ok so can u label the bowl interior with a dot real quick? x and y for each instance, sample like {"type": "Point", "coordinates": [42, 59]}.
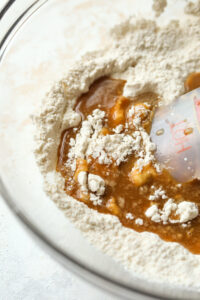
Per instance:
{"type": "Point", "coordinates": [40, 52]}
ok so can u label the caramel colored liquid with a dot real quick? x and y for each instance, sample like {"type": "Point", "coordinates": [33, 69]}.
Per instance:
{"type": "Point", "coordinates": [129, 198]}
{"type": "Point", "coordinates": [192, 82]}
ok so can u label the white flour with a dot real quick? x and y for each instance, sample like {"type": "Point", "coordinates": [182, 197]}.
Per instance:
{"type": "Point", "coordinates": [159, 7]}
{"type": "Point", "coordinates": [151, 59]}
{"type": "Point", "coordinates": [193, 8]}
{"type": "Point", "coordinates": [89, 142]}
{"type": "Point", "coordinates": [185, 210]}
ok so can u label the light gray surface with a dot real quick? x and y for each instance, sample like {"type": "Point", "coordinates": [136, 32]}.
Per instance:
{"type": "Point", "coordinates": [27, 272]}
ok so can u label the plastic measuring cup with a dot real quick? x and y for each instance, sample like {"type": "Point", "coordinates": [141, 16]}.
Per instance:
{"type": "Point", "coordinates": [176, 133]}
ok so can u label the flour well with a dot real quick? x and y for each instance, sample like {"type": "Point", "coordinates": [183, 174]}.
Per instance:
{"type": "Point", "coordinates": [151, 59]}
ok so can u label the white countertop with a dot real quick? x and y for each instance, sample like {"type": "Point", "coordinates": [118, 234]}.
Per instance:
{"type": "Point", "coordinates": [27, 272]}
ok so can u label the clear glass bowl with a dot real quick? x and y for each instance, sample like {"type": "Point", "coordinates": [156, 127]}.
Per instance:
{"type": "Point", "coordinates": [38, 40]}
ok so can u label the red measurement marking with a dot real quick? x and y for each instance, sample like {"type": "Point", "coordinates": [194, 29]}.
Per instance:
{"type": "Point", "coordinates": [197, 107]}
{"type": "Point", "coordinates": [179, 137]}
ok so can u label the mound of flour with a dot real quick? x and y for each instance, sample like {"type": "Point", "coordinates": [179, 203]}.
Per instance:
{"type": "Point", "coordinates": [151, 59]}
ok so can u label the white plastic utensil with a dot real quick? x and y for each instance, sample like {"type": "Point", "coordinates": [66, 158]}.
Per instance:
{"type": "Point", "coordinates": [176, 132]}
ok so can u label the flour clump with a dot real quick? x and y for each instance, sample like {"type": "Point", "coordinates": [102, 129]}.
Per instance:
{"type": "Point", "coordinates": [159, 6]}
{"type": "Point", "coordinates": [193, 8]}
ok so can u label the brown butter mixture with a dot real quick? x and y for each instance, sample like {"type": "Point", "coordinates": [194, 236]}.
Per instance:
{"type": "Point", "coordinates": [127, 192]}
